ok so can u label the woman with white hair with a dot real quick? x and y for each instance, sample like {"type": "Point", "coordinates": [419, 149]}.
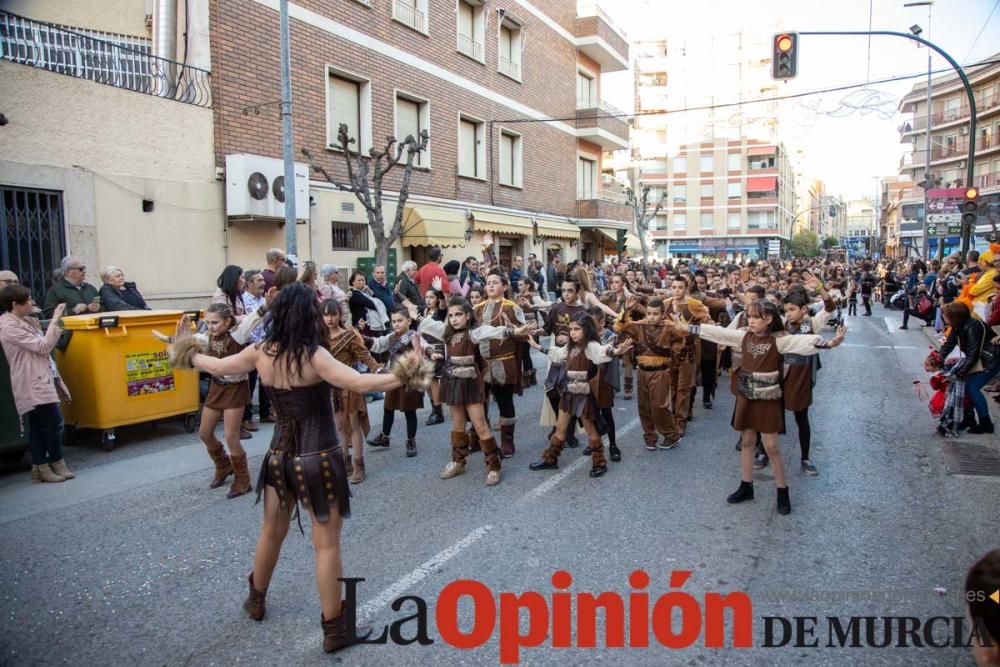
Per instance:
{"type": "Point", "coordinates": [406, 291]}
{"type": "Point", "coordinates": [117, 294]}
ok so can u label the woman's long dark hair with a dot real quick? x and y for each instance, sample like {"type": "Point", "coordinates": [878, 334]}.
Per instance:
{"type": "Point", "coordinates": [228, 281]}
{"type": "Point", "coordinates": [297, 329]}
{"type": "Point", "coordinates": [763, 308]}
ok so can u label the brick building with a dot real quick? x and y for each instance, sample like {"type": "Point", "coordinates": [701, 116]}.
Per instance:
{"type": "Point", "coordinates": [509, 93]}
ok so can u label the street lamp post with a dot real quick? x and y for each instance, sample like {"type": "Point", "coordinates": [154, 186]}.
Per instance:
{"type": "Point", "coordinates": [927, 154]}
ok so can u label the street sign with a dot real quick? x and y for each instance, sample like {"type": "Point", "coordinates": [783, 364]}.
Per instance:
{"type": "Point", "coordinates": [945, 218]}
{"type": "Point", "coordinates": [944, 213]}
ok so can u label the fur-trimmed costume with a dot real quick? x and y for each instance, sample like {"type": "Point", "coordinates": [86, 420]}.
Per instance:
{"type": "Point", "coordinates": [348, 348]}
{"type": "Point", "coordinates": [653, 353]}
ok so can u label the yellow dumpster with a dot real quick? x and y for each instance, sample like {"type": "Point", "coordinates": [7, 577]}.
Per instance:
{"type": "Point", "coordinates": [118, 374]}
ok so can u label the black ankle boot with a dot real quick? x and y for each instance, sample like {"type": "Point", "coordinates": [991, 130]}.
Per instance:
{"type": "Point", "coordinates": [411, 447]}
{"type": "Point", "coordinates": [985, 425]}
{"type": "Point", "coordinates": [614, 453]}
{"type": "Point", "coordinates": [968, 421]}
{"type": "Point", "coordinates": [784, 503]}
{"type": "Point", "coordinates": [436, 416]}
{"type": "Point", "coordinates": [380, 440]}
{"type": "Point", "coordinates": [745, 492]}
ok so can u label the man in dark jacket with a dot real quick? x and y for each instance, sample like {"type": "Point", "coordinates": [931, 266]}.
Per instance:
{"type": "Point", "coordinates": [78, 295]}
{"type": "Point", "coordinates": [516, 272]}
{"type": "Point", "coordinates": [552, 277]}
{"type": "Point", "coordinates": [381, 289]}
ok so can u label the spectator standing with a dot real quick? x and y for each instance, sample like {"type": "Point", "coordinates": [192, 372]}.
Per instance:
{"type": "Point", "coordinates": [34, 380]}
{"type": "Point", "coordinates": [380, 288]}
{"type": "Point", "coordinates": [275, 259]}
{"type": "Point", "coordinates": [406, 290]}
{"type": "Point", "coordinates": [431, 270]}
{"type": "Point", "coordinates": [73, 290]}
{"type": "Point", "coordinates": [118, 294]}
{"type": "Point", "coordinates": [470, 272]}
{"type": "Point", "coordinates": [8, 278]}
{"type": "Point", "coordinates": [330, 289]}
{"type": "Point", "coordinates": [553, 277]}
{"type": "Point", "coordinates": [517, 271]}
{"type": "Point", "coordinates": [229, 290]}
{"type": "Point", "coordinates": [253, 299]}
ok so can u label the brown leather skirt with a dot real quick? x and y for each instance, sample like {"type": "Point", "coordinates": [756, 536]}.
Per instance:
{"type": "Point", "coordinates": [227, 396]}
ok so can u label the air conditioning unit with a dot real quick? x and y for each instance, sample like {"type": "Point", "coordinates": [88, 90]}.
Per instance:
{"type": "Point", "coordinates": [255, 188]}
{"type": "Point", "coordinates": [963, 130]}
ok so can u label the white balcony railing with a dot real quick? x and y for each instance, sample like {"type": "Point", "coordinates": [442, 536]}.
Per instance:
{"type": "Point", "coordinates": [470, 47]}
{"type": "Point", "coordinates": [409, 15]}
{"type": "Point", "coordinates": [510, 68]}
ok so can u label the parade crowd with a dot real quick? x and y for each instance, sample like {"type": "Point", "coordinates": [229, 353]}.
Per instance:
{"type": "Point", "coordinates": [459, 338]}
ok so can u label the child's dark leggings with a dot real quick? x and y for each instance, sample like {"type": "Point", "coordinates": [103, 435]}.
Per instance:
{"type": "Point", "coordinates": [805, 431]}
{"type": "Point", "coordinates": [389, 416]}
{"type": "Point", "coordinates": [608, 416]}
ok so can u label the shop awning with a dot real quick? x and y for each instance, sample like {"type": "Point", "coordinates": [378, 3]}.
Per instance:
{"type": "Point", "coordinates": [761, 150]}
{"type": "Point", "coordinates": [433, 226]}
{"type": "Point", "coordinates": [501, 223]}
{"type": "Point", "coordinates": [558, 230]}
{"type": "Point", "coordinates": [608, 236]}
{"type": "Point", "coordinates": [762, 184]}
{"type": "Point", "coordinates": [632, 244]}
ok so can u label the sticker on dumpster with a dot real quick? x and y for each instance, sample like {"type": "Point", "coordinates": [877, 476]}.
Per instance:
{"type": "Point", "coordinates": [148, 373]}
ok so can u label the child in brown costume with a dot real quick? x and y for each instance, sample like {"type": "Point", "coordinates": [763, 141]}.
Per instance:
{"type": "Point", "coordinates": [759, 406]}
{"type": "Point", "coordinates": [578, 377]}
{"type": "Point", "coordinates": [462, 382]}
{"type": "Point", "coordinates": [227, 397]}
{"type": "Point", "coordinates": [654, 339]}
{"type": "Point", "coordinates": [406, 401]}
{"type": "Point", "coordinates": [350, 413]}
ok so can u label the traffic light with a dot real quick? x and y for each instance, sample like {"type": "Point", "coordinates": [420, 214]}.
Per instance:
{"type": "Point", "coordinates": [620, 241]}
{"type": "Point", "coordinates": [970, 209]}
{"type": "Point", "coordinates": [785, 55]}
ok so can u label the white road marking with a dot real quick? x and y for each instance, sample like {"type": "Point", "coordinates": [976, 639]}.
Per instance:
{"type": "Point", "coordinates": [428, 567]}
{"type": "Point", "coordinates": [881, 347]}
{"type": "Point", "coordinates": [425, 569]}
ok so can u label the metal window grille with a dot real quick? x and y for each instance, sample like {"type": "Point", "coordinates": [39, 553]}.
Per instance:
{"type": "Point", "coordinates": [33, 235]}
{"type": "Point", "coordinates": [349, 235]}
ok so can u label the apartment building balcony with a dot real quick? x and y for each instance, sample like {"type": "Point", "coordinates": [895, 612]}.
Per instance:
{"type": "Point", "coordinates": [407, 13]}
{"type": "Point", "coordinates": [122, 61]}
{"type": "Point", "coordinates": [601, 123]}
{"type": "Point", "coordinates": [987, 181]}
{"type": "Point", "coordinates": [603, 204]}
{"type": "Point", "coordinates": [985, 105]}
{"type": "Point", "coordinates": [599, 38]}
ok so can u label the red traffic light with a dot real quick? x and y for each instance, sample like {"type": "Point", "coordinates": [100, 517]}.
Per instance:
{"type": "Point", "coordinates": [784, 43]}
{"type": "Point", "coordinates": [784, 55]}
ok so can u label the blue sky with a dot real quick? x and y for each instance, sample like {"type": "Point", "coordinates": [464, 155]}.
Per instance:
{"type": "Point", "coordinates": [848, 152]}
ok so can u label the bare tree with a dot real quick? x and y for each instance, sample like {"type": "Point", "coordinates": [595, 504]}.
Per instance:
{"type": "Point", "coordinates": [365, 174]}
{"type": "Point", "coordinates": [640, 208]}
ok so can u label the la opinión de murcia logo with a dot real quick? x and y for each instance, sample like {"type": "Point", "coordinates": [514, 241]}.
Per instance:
{"type": "Point", "coordinates": [555, 618]}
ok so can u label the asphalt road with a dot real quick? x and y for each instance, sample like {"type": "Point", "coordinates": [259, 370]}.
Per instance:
{"type": "Point", "coordinates": [137, 562]}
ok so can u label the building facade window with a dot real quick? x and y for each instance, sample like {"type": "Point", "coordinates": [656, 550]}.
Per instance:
{"type": "Point", "coordinates": [680, 165]}
{"type": "Point", "coordinates": [349, 235]}
{"type": "Point", "coordinates": [734, 191]}
{"type": "Point", "coordinates": [733, 161]}
{"type": "Point", "coordinates": [348, 101]}
{"type": "Point", "coordinates": [706, 191]}
{"type": "Point", "coordinates": [761, 162]}
{"type": "Point", "coordinates": [705, 163]}
{"type": "Point", "coordinates": [412, 117]}
{"type": "Point", "coordinates": [680, 193]}
{"type": "Point", "coordinates": [471, 28]}
{"type": "Point", "coordinates": [510, 158]}
{"type": "Point", "coordinates": [707, 220]}
{"type": "Point", "coordinates": [586, 178]}
{"type": "Point", "coordinates": [586, 91]}
{"type": "Point", "coordinates": [471, 153]}
{"type": "Point", "coordinates": [411, 13]}
{"type": "Point", "coordinates": [509, 50]}
{"type": "Point", "coordinates": [733, 220]}
{"type": "Point", "coordinates": [761, 220]}
{"type": "Point", "coordinates": [680, 222]}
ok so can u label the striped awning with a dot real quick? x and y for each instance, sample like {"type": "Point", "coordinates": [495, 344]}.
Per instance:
{"type": "Point", "coordinates": [502, 223]}
{"type": "Point", "coordinates": [558, 230]}
{"type": "Point", "coordinates": [433, 226]}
